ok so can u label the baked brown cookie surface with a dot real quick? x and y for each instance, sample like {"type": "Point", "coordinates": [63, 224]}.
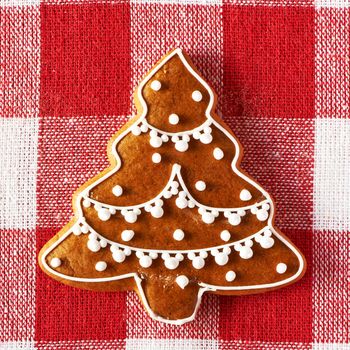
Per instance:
{"type": "Point", "coordinates": [173, 216]}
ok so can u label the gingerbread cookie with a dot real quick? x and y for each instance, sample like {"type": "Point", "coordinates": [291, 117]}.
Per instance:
{"type": "Point", "coordinates": [173, 216]}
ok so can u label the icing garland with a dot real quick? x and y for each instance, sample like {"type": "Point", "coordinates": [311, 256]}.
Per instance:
{"type": "Point", "coordinates": [184, 200]}
{"type": "Point", "coordinates": [172, 258]}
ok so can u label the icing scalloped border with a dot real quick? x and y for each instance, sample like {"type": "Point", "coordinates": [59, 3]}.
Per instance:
{"type": "Point", "coordinates": [204, 287]}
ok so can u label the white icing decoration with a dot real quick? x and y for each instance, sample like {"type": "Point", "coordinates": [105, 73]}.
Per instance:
{"type": "Point", "coordinates": [218, 153]}
{"type": "Point", "coordinates": [118, 256]}
{"type": "Point", "coordinates": [86, 203]}
{"type": "Point", "coordinates": [181, 146]}
{"type": "Point", "coordinates": [198, 262]}
{"type": "Point", "coordinates": [104, 214]}
{"type": "Point", "coordinates": [117, 190]}
{"type": "Point", "coordinates": [101, 266]}
{"type": "Point", "coordinates": [230, 276]}
{"type": "Point", "coordinates": [145, 261]}
{"type": "Point", "coordinates": [246, 252]}
{"type": "Point", "coordinates": [234, 219]}
{"type": "Point", "coordinates": [206, 138]}
{"type": "Point", "coordinates": [157, 212]}
{"type": "Point", "coordinates": [55, 262]}
{"type": "Point", "coordinates": [204, 287]}
{"type": "Point", "coordinates": [197, 96]}
{"type": "Point", "coordinates": [156, 158]}
{"type": "Point", "coordinates": [171, 263]}
{"type": "Point", "coordinates": [281, 268]}
{"type": "Point", "coordinates": [200, 186]}
{"type": "Point", "coordinates": [76, 230]}
{"type": "Point", "coordinates": [93, 245]}
{"type": "Point", "coordinates": [245, 195]}
{"type": "Point", "coordinates": [221, 259]}
{"type": "Point", "coordinates": [156, 85]}
{"type": "Point", "coordinates": [182, 281]}
{"type": "Point", "coordinates": [173, 119]}
{"type": "Point", "coordinates": [225, 235]}
{"type": "Point", "coordinates": [127, 235]}
{"type": "Point", "coordinates": [178, 235]}
{"type": "Point", "coordinates": [262, 214]}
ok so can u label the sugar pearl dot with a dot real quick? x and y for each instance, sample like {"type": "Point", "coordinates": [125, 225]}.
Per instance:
{"type": "Point", "coordinates": [281, 268]}
{"type": "Point", "coordinates": [206, 138]}
{"type": "Point", "coordinates": [127, 235]}
{"type": "Point", "coordinates": [200, 185]}
{"type": "Point", "coordinates": [245, 195]}
{"type": "Point", "coordinates": [173, 119]}
{"type": "Point", "coordinates": [179, 235]}
{"type": "Point", "coordinates": [117, 190]}
{"type": "Point", "coordinates": [181, 203]}
{"type": "Point", "coordinates": [156, 85]}
{"type": "Point", "coordinates": [104, 214]}
{"type": "Point", "coordinates": [198, 262]}
{"type": "Point", "coordinates": [208, 218]}
{"type": "Point", "coordinates": [230, 276]}
{"type": "Point", "coordinates": [101, 266]}
{"type": "Point", "coordinates": [246, 253]}
{"type": "Point", "coordinates": [145, 261]}
{"type": "Point", "coordinates": [197, 96]}
{"type": "Point", "coordinates": [267, 242]}
{"type": "Point", "coordinates": [156, 158]}
{"type": "Point", "coordinates": [76, 230]}
{"type": "Point", "coordinates": [55, 262]}
{"type": "Point", "coordinates": [218, 153]}
{"type": "Point", "coordinates": [225, 235]}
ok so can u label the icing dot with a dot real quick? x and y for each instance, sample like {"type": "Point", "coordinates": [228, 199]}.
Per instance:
{"type": "Point", "coordinates": [245, 252]}
{"type": "Point", "coordinates": [103, 243]}
{"type": "Point", "coordinates": [101, 266]}
{"type": "Point", "coordinates": [225, 235]}
{"type": "Point", "coordinates": [200, 185]}
{"type": "Point", "coordinates": [173, 119]}
{"type": "Point", "coordinates": [245, 195]}
{"type": "Point", "coordinates": [118, 256]}
{"type": "Point", "coordinates": [144, 128]}
{"type": "Point", "coordinates": [153, 255]}
{"type": "Point", "coordinates": [181, 146]}
{"type": "Point", "coordinates": [206, 138]}
{"type": "Point", "coordinates": [198, 262]}
{"type": "Point", "coordinates": [230, 276]}
{"type": "Point", "coordinates": [157, 212]}
{"type": "Point", "coordinates": [86, 203]}
{"type": "Point", "coordinates": [117, 190]}
{"type": "Point", "coordinates": [218, 153]}
{"type": "Point", "coordinates": [130, 217]}
{"type": "Point", "coordinates": [156, 158]}
{"type": "Point", "coordinates": [136, 130]}
{"type": "Point", "coordinates": [104, 214]}
{"type": "Point", "coordinates": [156, 141]}
{"type": "Point", "coordinates": [93, 245]}
{"type": "Point", "coordinates": [266, 242]}
{"type": "Point", "coordinates": [234, 219]}
{"type": "Point", "coordinates": [262, 214]}
{"type": "Point", "coordinates": [221, 259]}
{"type": "Point", "coordinates": [281, 268]}
{"type": "Point", "coordinates": [156, 85]}
{"type": "Point", "coordinates": [197, 96]}
{"type": "Point", "coordinates": [76, 230]}
{"type": "Point", "coordinates": [55, 262]}
{"type": "Point", "coordinates": [85, 229]}
{"type": "Point", "coordinates": [127, 235]}
{"type": "Point", "coordinates": [179, 235]}
{"type": "Point", "coordinates": [208, 218]}
{"type": "Point", "coordinates": [171, 263]}
{"type": "Point", "coordinates": [145, 261]}
{"type": "Point", "coordinates": [182, 281]}
{"type": "Point", "coordinates": [181, 203]}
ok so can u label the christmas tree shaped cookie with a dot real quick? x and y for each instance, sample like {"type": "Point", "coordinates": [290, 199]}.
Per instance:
{"type": "Point", "coordinates": [173, 216]}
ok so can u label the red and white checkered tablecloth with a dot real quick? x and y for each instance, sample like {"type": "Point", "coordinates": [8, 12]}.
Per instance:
{"type": "Point", "coordinates": [281, 69]}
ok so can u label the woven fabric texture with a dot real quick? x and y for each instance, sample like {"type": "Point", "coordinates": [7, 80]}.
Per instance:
{"type": "Point", "coordinates": [281, 69]}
